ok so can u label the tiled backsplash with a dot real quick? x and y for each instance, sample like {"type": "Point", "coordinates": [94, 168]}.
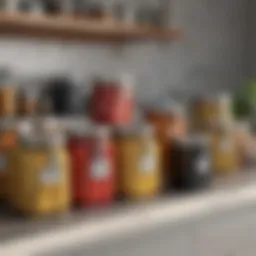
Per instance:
{"type": "Point", "coordinates": [211, 55]}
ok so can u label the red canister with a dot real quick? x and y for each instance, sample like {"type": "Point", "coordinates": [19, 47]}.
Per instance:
{"type": "Point", "coordinates": [93, 168]}
{"type": "Point", "coordinates": [113, 102]}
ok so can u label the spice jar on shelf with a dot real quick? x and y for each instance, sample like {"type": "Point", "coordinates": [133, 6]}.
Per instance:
{"type": "Point", "coordinates": [30, 6]}
{"type": "Point", "coordinates": [79, 8]}
{"type": "Point", "coordinates": [113, 101]}
{"type": "Point", "coordinates": [52, 7]}
{"type": "Point", "coordinates": [59, 96]}
{"type": "Point", "coordinates": [124, 13]}
{"type": "Point", "coordinates": [3, 5]}
{"type": "Point", "coordinates": [8, 6]}
{"type": "Point", "coordinates": [28, 99]}
{"type": "Point", "coordinates": [7, 94]}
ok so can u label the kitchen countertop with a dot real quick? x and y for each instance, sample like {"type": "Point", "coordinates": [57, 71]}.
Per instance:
{"type": "Point", "coordinates": [31, 236]}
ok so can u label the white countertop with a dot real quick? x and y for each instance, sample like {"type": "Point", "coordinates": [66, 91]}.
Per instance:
{"type": "Point", "coordinates": [19, 236]}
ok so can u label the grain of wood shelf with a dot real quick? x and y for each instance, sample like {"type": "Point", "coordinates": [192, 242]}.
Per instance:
{"type": "Point", "coordinates": [66, 28]}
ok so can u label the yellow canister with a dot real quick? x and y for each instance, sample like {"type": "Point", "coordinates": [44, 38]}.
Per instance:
{"type": "Point", "coordinates": [207, 111]}
{"type": "Point", "coordinates": [225, 152]}
{"type": "Point", "coordinates": [139, 171]}
{"type": "Point", "coordinates": [39, 176]}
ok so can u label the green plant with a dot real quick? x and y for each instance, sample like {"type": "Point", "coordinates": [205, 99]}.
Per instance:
{"type": "Point", "coordinates": [244, 101]}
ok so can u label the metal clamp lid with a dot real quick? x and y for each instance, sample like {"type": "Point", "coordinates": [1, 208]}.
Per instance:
{"type": "Point", "coordinates": [194, 139]}
{"type": "Point", "coordinates": [139, 130]}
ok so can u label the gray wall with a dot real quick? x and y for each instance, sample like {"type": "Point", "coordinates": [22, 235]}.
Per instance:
{"type": "Point", "coordinates": [211, 55]}
{"type": "Point", "coordinates": [251, 38]}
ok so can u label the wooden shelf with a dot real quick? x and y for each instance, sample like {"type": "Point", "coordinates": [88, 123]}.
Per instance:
{"type": "Point", "coordinates": [67, 28]}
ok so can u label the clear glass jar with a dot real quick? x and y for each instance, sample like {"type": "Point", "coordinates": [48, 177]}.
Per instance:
{"type": "Point", "coordinates": [7, 94]}
{"type": "Point", "coordinates": [28, 99]}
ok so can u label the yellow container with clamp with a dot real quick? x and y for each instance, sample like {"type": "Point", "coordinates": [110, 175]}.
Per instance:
{"type": "Point", "coordinates": [208, 112]}
{"type": "Point", "coordinates": [39, 178]}
{"type": "Point", "coordinates": [138, 164]}
{"type": "Point", "coordinates": [225, 151]}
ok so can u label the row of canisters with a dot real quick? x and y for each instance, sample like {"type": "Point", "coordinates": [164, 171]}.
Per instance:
{"type": "Point", "coordinates": [46, 170]}
{"type": "Point", "coordinates": [105, 100]}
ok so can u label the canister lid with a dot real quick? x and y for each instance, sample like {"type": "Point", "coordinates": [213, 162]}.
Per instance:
{"type": "Point", "coordinates": [221, 97]}
{"type": "Point", "coordinates": [138, 130]}
{"type": "Point", "coordinates": [101, 131]}
{"type": "Point", "coordinates": [123, 81]}
{"type": "Point", "coordinates": [41, 131]}
{"type": "Point", "coordinates": [223, 126]}
{"type": "Point", "coordinates": [166, 106]}
{"type": "Point", "coordinates": [87, 129]}
{"type": "Point", "coordinates": [25, 128]}
{"type": "Point", "coordinates": [195, 139]}
{"type": "Point", "coordinates": [78, 130]}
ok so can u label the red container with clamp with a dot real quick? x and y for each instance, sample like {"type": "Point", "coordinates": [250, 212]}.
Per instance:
{"type": "Point", "coordinates": [93, 168]}
{"type": "Point", "coordinates": [113, 102]}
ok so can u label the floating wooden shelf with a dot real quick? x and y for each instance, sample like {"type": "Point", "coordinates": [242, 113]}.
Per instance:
{"type": "Point", "coordinates": [79, 29]}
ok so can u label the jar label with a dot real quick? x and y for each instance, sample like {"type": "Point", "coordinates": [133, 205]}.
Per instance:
{"type": "Point", "coordinates": [100, 168]}
{"type": "Point", "coordinates": [203, 165]}
{"type": "Point", "coordinates": [226, 145]}
{"type": "Point", "coordinates": [147, 163]}
{"type": "Point", "coordinates": [50, 176]}
{"type": "Point", "coordinates": [3, 164]}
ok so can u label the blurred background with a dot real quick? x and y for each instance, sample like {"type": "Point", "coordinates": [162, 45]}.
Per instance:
{"type": "Point", "coordinates": [111, 102]}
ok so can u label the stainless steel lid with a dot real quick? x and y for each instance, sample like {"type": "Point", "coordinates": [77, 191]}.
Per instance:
{"type": "Point", "coordinates": [88, 129]}
{"type": "Point", "coordinates": [123, 81]}
{"type": "Point", "coordinates": [221, 98]}
{"type": "Point", "coordinates": [41, 131]}
{"type": "Point", "coordinates": [196, 139]}
{"type": "Point", "coordinates": [139, 130]}
{"type": "Point", "coordinates": [166, 105]}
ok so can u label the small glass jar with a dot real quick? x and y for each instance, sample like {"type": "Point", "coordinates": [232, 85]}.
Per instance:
{"type": "Point", "coordinates": [113, 101]}
{"type": "Point", "coordinates": [52, 7]}
{"type": "Point", "coordinates": [27, 102]}
{"type": "Point", "coordinates": [7, 94]}
{"type": "Point", "coordinates": [8, 6]}
{"type": "Point", "coordinates": [30, 6]}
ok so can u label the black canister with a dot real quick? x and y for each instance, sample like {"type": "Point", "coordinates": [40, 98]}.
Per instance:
{"type": "Point", "coordinates": [191, 164]}
{"type": "Point", "coordinates": [61, 94]}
